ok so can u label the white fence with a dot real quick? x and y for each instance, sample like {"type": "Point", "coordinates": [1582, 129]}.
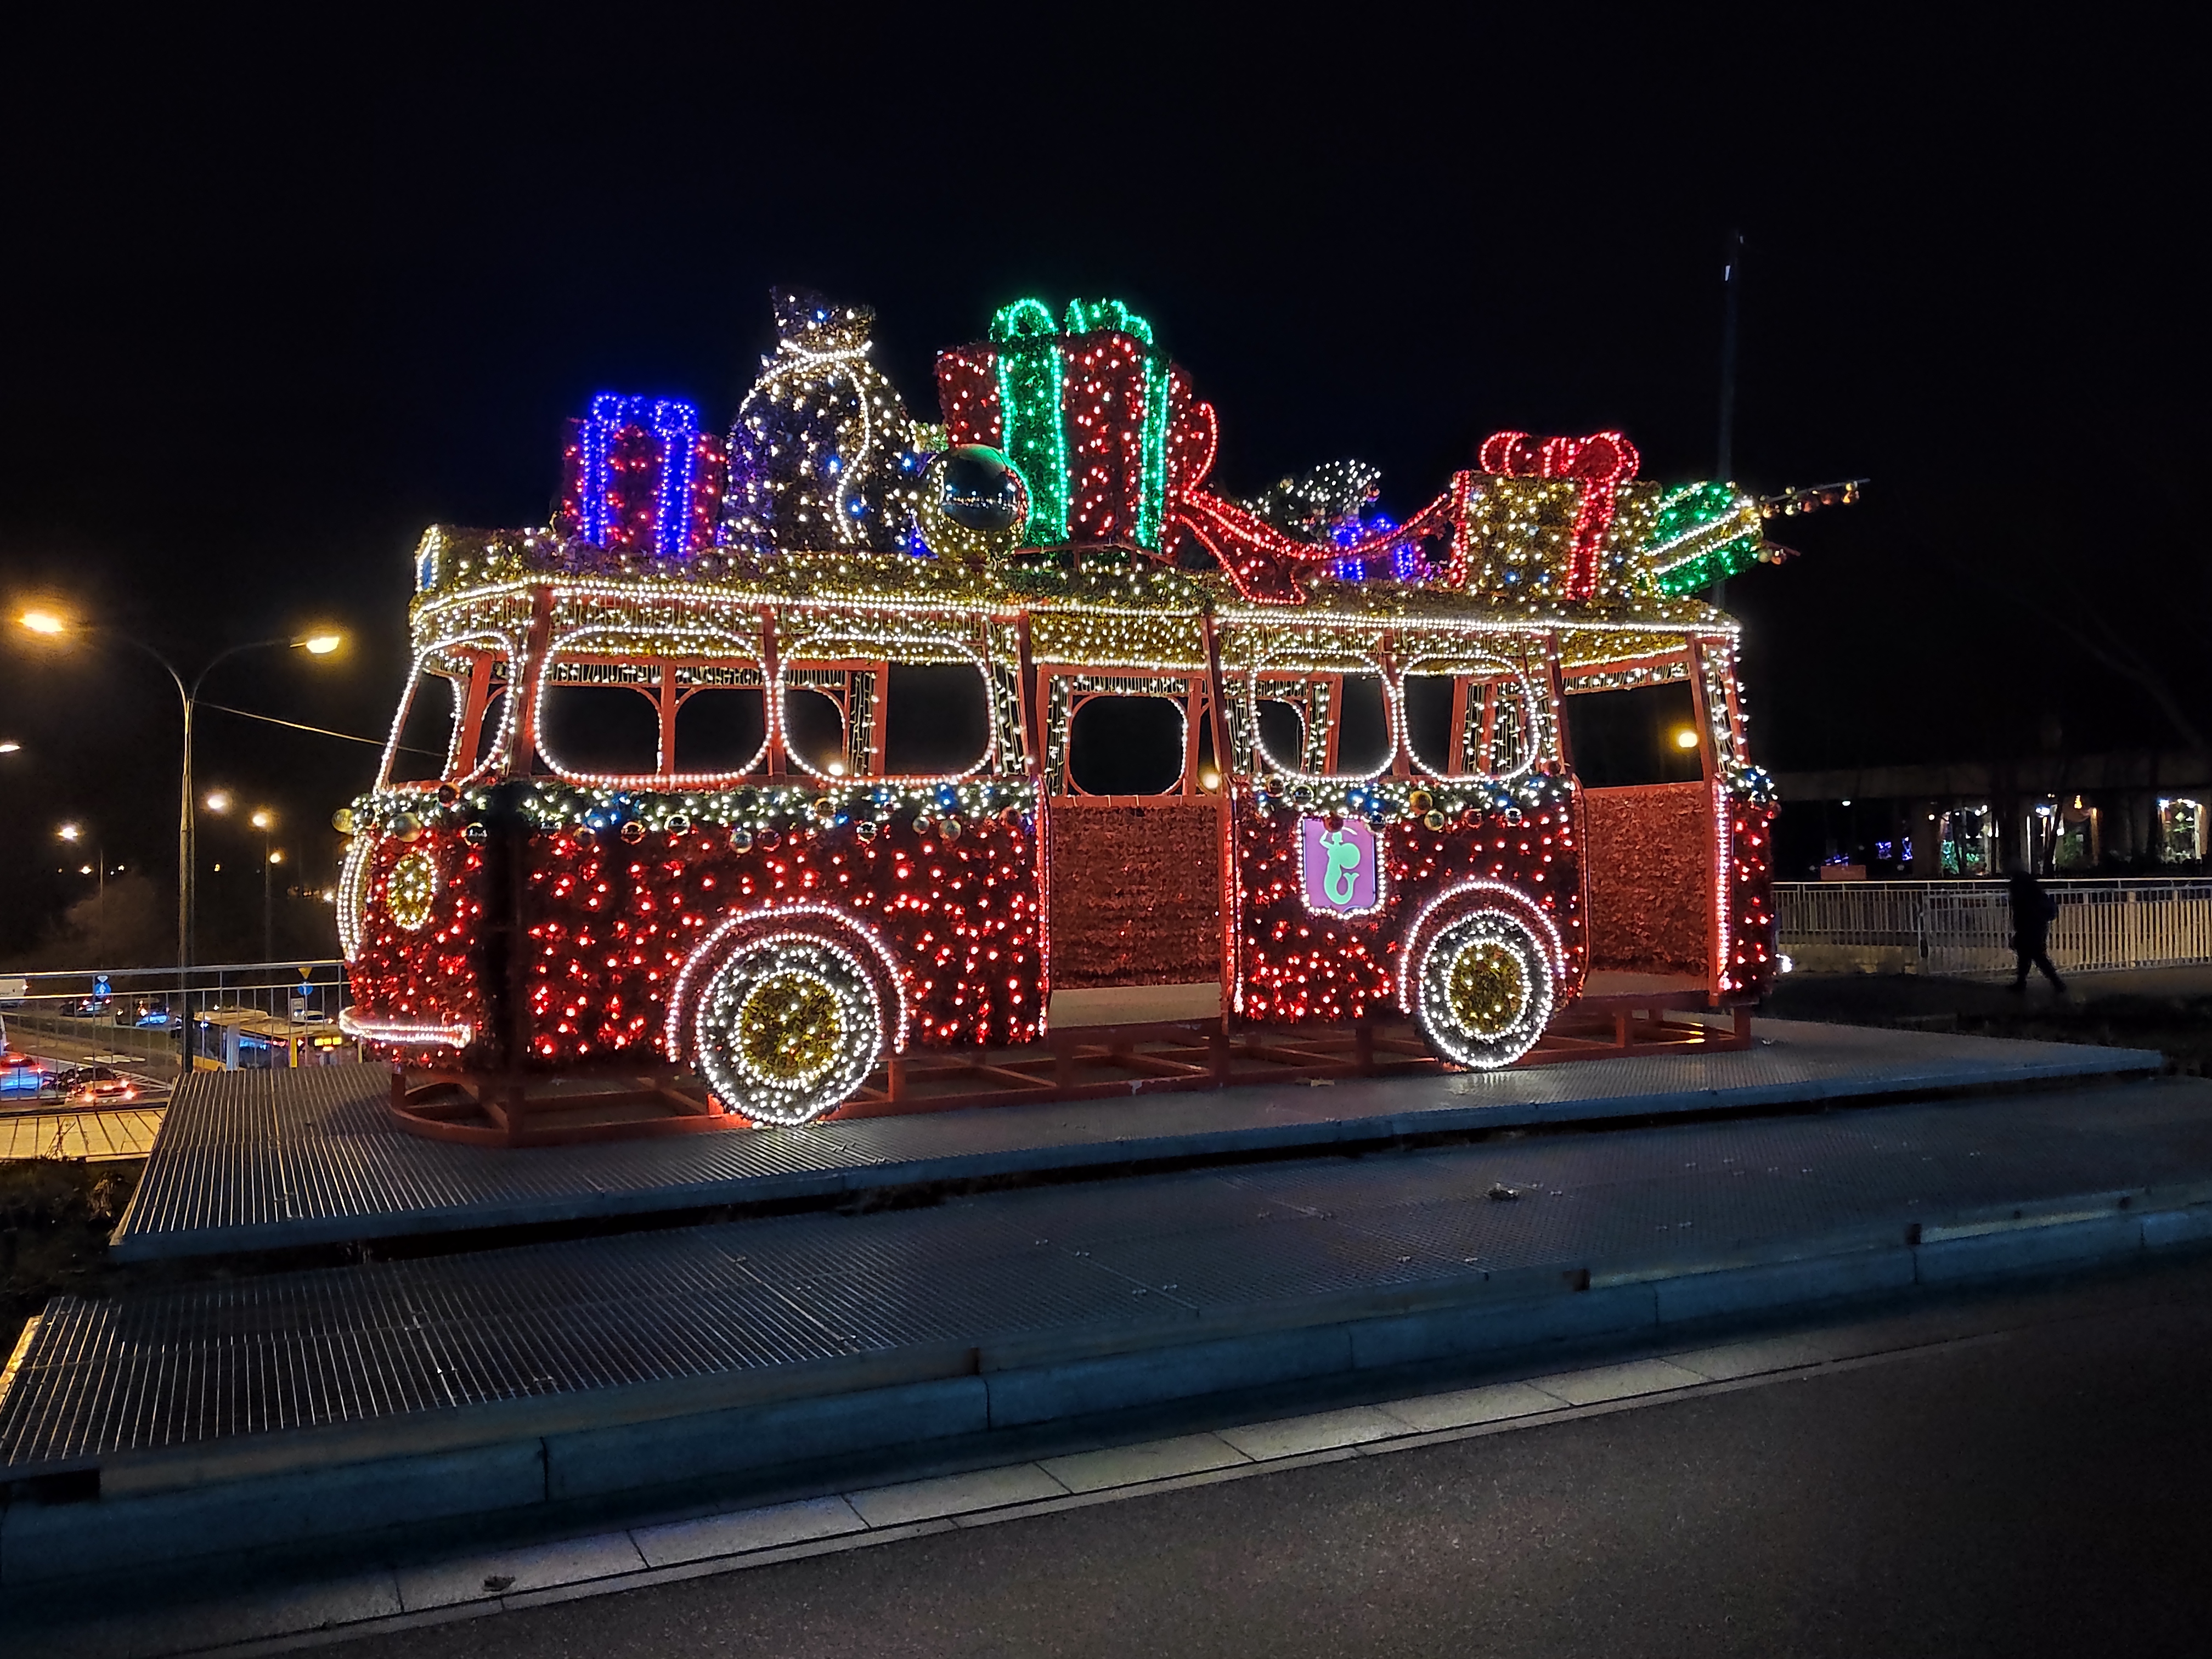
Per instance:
{"type": "Point", "coordinates": [1966, 926]}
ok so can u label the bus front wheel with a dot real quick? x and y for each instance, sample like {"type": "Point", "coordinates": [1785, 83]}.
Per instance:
{"type": "Point", "coordinates": [787, 1028]}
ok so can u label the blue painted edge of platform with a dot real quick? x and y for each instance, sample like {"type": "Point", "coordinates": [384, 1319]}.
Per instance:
{"type": "Point", "coordinates": [2005, 1063]}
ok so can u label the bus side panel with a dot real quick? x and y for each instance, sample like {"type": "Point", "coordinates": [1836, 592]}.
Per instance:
{"type": "Point", "coordinates": [610, 925]}
{"type": "Point", "coordinates": [1299, 967]}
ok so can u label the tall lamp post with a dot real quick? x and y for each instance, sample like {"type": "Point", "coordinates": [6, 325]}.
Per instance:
{"type": "Point", "coordinates": [48, 625]}
{"type": "Point", "coordinates": [265, 821]}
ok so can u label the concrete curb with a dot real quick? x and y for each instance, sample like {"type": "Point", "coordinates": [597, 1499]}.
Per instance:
{"type": "Point", "coordinates": [41, 1542]}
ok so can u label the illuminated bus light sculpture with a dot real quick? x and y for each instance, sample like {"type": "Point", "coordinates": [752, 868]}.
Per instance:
{"type": "Point", "coordinates": [784, 913]}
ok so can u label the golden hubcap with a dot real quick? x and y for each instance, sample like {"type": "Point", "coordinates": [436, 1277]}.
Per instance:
{"type": "Point", "coordinates": [790, 1028]}
{"type": "Point", "coordinates": [411, 893]}
{"type": "Point", "coordinates": [1488, 989]}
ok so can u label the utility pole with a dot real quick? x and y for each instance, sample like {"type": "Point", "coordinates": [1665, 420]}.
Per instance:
{"type": "Point", "coordinates": [1731, 286]}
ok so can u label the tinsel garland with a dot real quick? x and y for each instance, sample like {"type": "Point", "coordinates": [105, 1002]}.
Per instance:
{"type": "Point", "coordinates": [1136, 895]}
{"type": "Point", "coordinates": [1650, 858]}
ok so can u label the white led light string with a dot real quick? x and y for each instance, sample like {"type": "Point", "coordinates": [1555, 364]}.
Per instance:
{"type": "Point", "coordinates": [819, 647]}
{"type": "Point", "coordinates": [719, 645]}
{"type": "Point", "coordinates": [487, 754]}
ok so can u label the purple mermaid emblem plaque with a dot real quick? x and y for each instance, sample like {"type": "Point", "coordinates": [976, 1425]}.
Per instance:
{"type": "Point", "coordinates": [1338, 872]}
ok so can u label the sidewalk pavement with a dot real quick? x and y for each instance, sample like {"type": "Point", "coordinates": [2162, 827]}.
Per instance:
{"type": "Point", "coordinates": [102, 1136]}
{"type": "Point", "coordinates": [1826, 996]}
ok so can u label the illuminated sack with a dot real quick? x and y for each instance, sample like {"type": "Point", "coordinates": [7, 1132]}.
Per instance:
{"type": "Point", "coordinates": [639, 474]}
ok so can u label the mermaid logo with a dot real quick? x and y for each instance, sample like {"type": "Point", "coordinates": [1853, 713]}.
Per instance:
{"type": "Point", "coordinates": [1338, 869]}
{"type": "Point", "coordinates": [1344, 859]}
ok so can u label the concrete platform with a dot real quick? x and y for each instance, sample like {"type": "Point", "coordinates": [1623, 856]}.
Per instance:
{"type": "Point", "coordinates": [259, 1161]}
{"type": "Point", "coordinates": [253, 1413]}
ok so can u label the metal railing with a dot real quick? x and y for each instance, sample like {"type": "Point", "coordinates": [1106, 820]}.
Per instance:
{"type": "Point", "coordinates": [1966, 926]}
{"type": "Point", "coordinates": [146, 1012]}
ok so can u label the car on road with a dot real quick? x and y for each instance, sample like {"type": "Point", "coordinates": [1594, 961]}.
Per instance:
{"type": "Point", "coordinates": [20, 1074]}
{"type": "Point", "coordinates": [104, 1088]}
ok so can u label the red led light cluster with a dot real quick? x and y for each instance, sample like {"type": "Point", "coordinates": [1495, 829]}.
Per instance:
{"type": "Point", "coordinates": [1752, 962]}
{"type": "Point", "coordinates": [610, 924]}
{"type": "Point", "coordinates": [432, 973]}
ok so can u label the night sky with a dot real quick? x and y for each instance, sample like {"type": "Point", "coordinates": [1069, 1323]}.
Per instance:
{"type": "Point", "coordinates": [274, 302]}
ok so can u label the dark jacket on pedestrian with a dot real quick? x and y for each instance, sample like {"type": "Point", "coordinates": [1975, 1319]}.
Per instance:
{"type": "Point", "coordinates": [2032, 912]}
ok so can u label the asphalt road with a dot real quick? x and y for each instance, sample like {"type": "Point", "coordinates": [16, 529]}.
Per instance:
{"type": "Point", "coordinates": [2046, 1490]}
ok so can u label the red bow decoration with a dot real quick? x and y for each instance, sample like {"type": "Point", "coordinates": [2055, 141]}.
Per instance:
{"type": "Point", "coordinates": [1598, 463]}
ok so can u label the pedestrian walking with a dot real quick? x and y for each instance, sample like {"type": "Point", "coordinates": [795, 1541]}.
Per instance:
{"type": "Point", "coordinates": [2033, 910]}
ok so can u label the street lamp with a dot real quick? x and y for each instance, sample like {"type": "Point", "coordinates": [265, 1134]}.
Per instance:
{"type": "Point", "coordinates": [10, 748]}
{"type": "Point", "coordinates": [73, 834]}
{"type": "Point", "coordinates": [323, 644]}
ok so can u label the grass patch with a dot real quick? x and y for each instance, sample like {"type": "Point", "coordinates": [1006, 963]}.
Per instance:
{"type": "Point", "coordinates": [55, 1217]}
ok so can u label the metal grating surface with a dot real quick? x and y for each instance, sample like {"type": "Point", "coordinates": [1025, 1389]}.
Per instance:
{"type": "Point", "coordinates": [257, 1160]}
{"type": "Point", "coordinates": [175, 1367]}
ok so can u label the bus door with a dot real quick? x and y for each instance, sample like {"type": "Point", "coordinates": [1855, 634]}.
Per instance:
{"type": "Point", "coordinates": [1136, 812]}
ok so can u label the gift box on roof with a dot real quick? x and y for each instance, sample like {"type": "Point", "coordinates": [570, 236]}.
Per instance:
{"type": "Point", "coordinates": [639, 474]}
{"type": "Point", "coordinates": [1082, 405]}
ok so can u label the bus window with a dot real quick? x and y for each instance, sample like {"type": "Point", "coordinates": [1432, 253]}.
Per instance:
{"type": "Point", "coordinates": [1429, 721]}
{"type": "Point", "coordinates": [1282, 735]}
{"type": "Point", "coordinates": [720, 730]}
{"type": "Point", "coordinates": [814, 730]}
{"type": "Point", "coordinates": [1494, 734]}
{"type": "Point", "coordinates": [599, 719]}
{"type": "Point", "coordinates": [425, 737]}
{"type": "Point", "coordinates": [477, 746]}
{"type": "Point", "coordinates": [1507, 745]}
{"type": "Point", "coordinates": [1623, 737]}
{"type": "Point", "coordinates": [936, 720]}
{"type": "Point", "coordinates": [451, 725]}
{"type": "Point", "coordinates": [1125, 746]}
{"type": "Point", "coordinates": [1362, 734]}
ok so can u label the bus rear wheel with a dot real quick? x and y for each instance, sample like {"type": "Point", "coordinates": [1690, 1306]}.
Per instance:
{"type": "Point", "coordinates": [1485, 991]}
{"type": "Point", "coordinates": [788, 1029]}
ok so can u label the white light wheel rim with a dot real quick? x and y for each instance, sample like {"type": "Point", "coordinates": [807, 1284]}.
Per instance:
{"type": "Point", "coordinates": [1486, 990]}
{"type": "Point", "coordinates": [788, 1028]}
